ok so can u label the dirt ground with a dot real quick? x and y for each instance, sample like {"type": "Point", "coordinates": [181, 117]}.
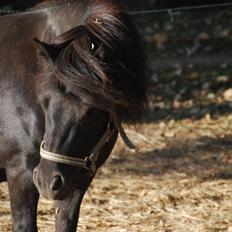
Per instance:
{"type": "Point", "coordinates": [180, 180]}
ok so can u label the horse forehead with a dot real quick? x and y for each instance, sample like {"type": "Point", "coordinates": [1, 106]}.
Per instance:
{"type": "Point", "coordinates": [67, 108]}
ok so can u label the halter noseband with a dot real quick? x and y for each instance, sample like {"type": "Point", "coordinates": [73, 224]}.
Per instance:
{"type": "Point", "coordinates": [89, 162]}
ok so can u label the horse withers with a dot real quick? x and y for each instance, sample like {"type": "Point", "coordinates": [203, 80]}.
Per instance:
{"type": "Point", "coordinates": [70, 71]}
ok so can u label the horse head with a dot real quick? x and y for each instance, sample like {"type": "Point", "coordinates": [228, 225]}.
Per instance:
{"type": "Point", "coordinates": [93, 75]}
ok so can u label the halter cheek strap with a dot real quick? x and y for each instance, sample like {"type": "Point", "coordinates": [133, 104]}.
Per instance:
{"type": "Point", "coordinates": [89, 163]}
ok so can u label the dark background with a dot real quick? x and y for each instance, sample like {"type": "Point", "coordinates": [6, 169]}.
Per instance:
{"type": "Point", "coordinates": [133, 4]}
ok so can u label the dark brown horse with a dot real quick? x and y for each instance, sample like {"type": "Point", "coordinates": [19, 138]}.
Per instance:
{"type": "Point", "coordinates": [70, 71]}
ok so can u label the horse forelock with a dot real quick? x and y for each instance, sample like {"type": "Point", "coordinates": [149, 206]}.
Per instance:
{"type": "Point", "coordinates": [116, 83]}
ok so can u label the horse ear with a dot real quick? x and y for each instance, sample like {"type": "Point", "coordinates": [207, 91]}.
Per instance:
{"type": "Point", "coordinates": [50, 51]}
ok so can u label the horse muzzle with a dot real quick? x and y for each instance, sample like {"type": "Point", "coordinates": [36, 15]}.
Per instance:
{"type": "Point", "coordinates": [51, 186]}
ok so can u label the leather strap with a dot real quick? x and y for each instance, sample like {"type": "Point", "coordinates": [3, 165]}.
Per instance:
{"type": "Point", "coordinates": [89, 163]}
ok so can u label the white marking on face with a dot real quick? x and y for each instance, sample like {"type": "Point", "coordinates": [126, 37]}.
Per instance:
{"type": "Point", "coordinates": [52, 23]}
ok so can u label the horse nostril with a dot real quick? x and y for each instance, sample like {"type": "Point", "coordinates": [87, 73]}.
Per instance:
{"type": "Point", "coordinates": [57, 183]}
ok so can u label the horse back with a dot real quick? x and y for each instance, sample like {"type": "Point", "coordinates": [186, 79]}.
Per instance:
{"type": "Point", "coordinates": [17, 49]}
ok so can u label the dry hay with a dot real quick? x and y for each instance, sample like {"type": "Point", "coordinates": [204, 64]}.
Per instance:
{"type": "Point", "coordinates": [180, 181]}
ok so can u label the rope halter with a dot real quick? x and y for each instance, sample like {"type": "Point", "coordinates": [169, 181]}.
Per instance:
{"type": "Point", "coordinates": [89, 162]}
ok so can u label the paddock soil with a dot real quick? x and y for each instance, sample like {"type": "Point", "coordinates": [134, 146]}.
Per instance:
{"type": "Point", "coordinates": [179, 181]}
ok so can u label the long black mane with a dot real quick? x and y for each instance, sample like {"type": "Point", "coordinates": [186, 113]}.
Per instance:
{"type": "Point", "coordinates": [101, 61]}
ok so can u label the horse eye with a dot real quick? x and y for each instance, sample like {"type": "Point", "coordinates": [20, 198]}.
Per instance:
{"type": "Point", "coordinates": [61, 87]}
{"type": "Point", "coordinates": [92, 46]}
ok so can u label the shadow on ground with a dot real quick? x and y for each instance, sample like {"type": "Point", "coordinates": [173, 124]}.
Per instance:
{"type": "Point", "coordinates": [206, 159]}
{"type": "Point", "coordinates": [196, 112]}
{"type": "Point", "coordinates": [180, 97]}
